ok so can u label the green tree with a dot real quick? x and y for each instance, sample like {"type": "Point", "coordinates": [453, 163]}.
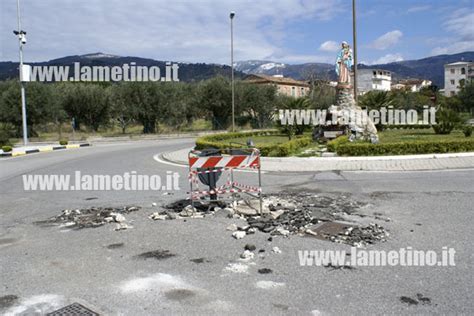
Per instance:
{"type": "Point", "coordinates": [466, 97]}
{"type": "Point", "coordinates": [38, 102]}
{"type": "Point", "coordinates": [215, 97]}
{"type": "Point", "coordinates": [88, 104]}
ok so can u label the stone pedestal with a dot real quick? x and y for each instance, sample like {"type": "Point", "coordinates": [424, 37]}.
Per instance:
{"type": "Point", "coordinates": [359, 123]}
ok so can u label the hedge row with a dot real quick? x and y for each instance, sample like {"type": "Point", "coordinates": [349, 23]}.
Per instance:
{"type": "Point", "coordinates": [345, 148]}
{"type": "Point", "coordinates": [273, 150]}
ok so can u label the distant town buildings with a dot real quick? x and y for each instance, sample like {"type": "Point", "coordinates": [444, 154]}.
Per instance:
{"type": "Point", "coordinates": [455, 76]}
{"type": "Point", "coordinates": [286, 86]}
{"type": "Point", "coordinates": [373, 79]}
{"type": "Point", "coordinates": [412, 85]}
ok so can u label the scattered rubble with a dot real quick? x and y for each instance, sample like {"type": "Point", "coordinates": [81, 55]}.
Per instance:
{"type": "Point", "coordinates": [247, 255]}
{"type": "Point", "coordinates": [276, 250]}
{"type": "Point", "coordinates": [91, 217]}
{"type": "Point", "coordinates": [341, 267]}
{"type": "Point", "coordinates": [285, 214]}
{"type": "Point", "coordinates": [232, 227]}
{"type": "Point", "coordinates": [250, 247]}
{"type": "Point", "coordinates": [239, 234]}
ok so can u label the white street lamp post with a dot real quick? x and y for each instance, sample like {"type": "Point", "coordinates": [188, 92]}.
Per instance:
{"type": "Point", "coordinates": [232, 15]}
{"type": "Point", "coordinates": [22, 40]}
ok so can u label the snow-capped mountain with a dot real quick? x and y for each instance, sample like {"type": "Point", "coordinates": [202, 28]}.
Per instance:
{"type": "Point", "coordinates": [260, 67]}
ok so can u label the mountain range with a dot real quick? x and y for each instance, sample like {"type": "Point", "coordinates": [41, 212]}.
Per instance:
{"type": "Point", "coordinates": [431, 68]}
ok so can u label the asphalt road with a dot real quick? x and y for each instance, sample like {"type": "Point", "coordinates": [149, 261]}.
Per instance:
{"type": "Point", "coordinates": [47, 267]}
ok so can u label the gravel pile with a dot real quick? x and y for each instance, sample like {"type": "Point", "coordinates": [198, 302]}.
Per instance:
{"type": "Point", "coordinates": [92, 217]}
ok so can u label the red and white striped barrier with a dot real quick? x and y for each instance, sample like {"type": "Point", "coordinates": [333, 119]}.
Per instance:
{"type": "Point", "coordinates": [206, 165]}
{"type": "Point", "coordinates": [240, 161]}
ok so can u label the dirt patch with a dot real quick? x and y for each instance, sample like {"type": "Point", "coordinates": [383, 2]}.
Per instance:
{"type": "Point", "coordinates": [115, 246]}
{"type": "Point", "coordinates": [179, 294]}
{"type": "Point", "coordinates": [419, 298]}
{"type": "Point", "coordinates": [199, 260]}
{"type": "Point", "coordinates": [7, 301]}
{"type": "Point", "coordinates": [156, 254]}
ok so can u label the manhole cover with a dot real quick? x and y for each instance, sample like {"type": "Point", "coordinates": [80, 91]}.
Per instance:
{"type": "Point", "coordinates": [73, 309]}
{"type": "Point", "coordinates": [327, 229]}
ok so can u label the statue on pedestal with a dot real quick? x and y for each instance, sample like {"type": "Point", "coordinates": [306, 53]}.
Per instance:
{"type": "Point", "coordinates": [346, 107]}
{"type": "Point", "coordinates": [344, 63]}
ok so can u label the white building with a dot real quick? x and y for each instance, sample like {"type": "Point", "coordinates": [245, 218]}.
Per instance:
{"type": "Point", "coordinates": [455, 76]}
{"type": "Point", "coordinates": [413, 85]}
{"type": "Point", "coordinates": [373, 79]}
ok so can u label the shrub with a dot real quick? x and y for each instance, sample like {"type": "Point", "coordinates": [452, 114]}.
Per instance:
{"type": "Point", "coordinates": [63, 142]}
{"type": "Point", "coordinates": [345, 148]}
{"type": "Point", "coordinates": [446, 121]}
{"type": "Point", "coordinates": [271, 150]}
{"type": "Point", "coordinates": [467, 130]}
{"type": "Point", "coordinates": [7, 149]}
{"type": "Point", "coordinates": [6, 132]}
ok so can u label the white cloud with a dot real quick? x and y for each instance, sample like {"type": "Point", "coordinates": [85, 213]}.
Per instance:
{"type": "Point", "coordinates": [461, 27]}
{"type": "Point", "coordinates": [330, 46]}
{"type": "Point", "coordinates": [389, 58]}
{"type": "Point", "coordinates": [418, 8]}
{"type": "Point", "coordinates": [185, 30]}
{"type": "Point", "coordinates": [387, 40]}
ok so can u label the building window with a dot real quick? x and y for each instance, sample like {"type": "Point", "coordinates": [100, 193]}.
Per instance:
{"type": "Point", "coordinates": [463, 71]}
{"type": "Point", "coordinates": [293, 91]}
{"type": "Point", "coordinates": [452, 82]}
{"type": "Point", "coordinates": [452, 70]}
{"type": "Point", "coordinates": [302, 91]}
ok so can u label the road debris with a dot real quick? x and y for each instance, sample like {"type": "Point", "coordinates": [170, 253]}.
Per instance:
{"type": "Point", "coordinates": [336, 267]}
{"type": "Point", "coordinates": [250, 247]}
{"type": "Point", "coordinates": [288, 213]}
{"type": "Point", "coordinates": [91, 217]}
{"type": "Point", "coordinates": [276, 250]}
{"type": "Point", "coordinates": [239, 234]}
{"type": "Point", "coordinates": [420, 298]}
{"type": "Point", "coordinates": [247, 255]}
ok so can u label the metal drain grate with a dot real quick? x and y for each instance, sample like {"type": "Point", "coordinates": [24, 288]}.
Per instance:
{"type": "Point", "coordinates": [72, 310]}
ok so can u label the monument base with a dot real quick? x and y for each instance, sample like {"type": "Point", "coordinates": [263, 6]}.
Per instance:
{"type": "Point", "coordinates": [360, 125]}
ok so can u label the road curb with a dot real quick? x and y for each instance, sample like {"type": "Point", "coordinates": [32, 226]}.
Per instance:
{"type": "Point", "coordinates": [362, 163]}
{"type": "Point", "coordinates": [43, 149]}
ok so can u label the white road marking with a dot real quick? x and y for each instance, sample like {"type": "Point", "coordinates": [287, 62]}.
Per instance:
{"type": "Point", "coordinates": [268, 285]}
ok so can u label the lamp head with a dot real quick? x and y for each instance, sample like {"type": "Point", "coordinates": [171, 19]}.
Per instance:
{"type": "Point", "coordinates": [232, 14]}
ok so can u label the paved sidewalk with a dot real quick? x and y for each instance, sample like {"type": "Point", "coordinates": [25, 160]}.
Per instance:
{"type": "Point", "coordinates": [36, 148]}
{"type": "Point", "coordinates": [383, 163]}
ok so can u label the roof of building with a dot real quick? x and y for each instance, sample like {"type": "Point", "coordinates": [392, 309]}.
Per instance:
{"type": "Point", "coordinates": [258, 78]}
{"type": "Point", "coordinates": [459, 63]}
{"type": "Point", "coordinates": [413, 81]}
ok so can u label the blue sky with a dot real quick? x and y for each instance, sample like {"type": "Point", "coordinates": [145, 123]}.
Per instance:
{"type": "Point", "coordinates": [292, 31]}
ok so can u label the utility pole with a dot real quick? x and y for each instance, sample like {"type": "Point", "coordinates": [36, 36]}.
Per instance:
{"type": "Point", "coordinates": [232, 15]}
{"type": "Point", "coordinates": [354, 40]}
{"type": "Point", "coordinates": [22, 40]}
